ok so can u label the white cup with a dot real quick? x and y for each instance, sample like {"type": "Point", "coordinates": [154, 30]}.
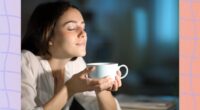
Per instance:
{"type": "Point", "coordinates": [104, 69]}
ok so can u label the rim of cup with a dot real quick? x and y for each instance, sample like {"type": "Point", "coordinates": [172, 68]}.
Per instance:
{"type": "Point", "coordinates": [101, 63]}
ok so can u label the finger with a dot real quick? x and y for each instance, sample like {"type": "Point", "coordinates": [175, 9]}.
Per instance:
{"type": "Point", "coordinates": [87, 70]}
{"type": "Point", "coordinates": [108, 84]}
{"type": "Point", "coordinates": [95, 81]}
{"type": "Point", "coordinates": [118, 80]}
{"type": "Point", "coordinates": [115, 86]}
{"type": "Point", "coordinates": [119, 73]}
{"type": "Point", "coordinates": [110, 88]}
{"type": "Point", "coordinates": [104, 84]}
{"type": "Point", "coordinates": [92, 83]}
{"type": "Point", "coordinates": [90, 69]}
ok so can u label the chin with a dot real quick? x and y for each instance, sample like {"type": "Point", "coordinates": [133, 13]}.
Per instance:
{"type": "Point", "coordinates": [82, 54]}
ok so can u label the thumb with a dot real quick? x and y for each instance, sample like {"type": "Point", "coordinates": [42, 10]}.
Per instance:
{"type": "Point", "coordinates": [88, 70]}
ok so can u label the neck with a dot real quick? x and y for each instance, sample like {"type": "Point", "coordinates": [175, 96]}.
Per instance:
{"type": "Point", "coordinates": [58, 64]}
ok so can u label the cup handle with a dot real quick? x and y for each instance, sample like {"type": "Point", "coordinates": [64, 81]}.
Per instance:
{"type": "Point", "coordinates": [126, 73]}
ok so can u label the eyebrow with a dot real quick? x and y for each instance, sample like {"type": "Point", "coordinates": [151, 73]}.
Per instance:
{"type": "Point", "coordinates": [72, 21]}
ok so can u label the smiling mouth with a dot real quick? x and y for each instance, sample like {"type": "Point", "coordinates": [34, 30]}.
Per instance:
{"type": "Point", "coordinates": [80, 44]}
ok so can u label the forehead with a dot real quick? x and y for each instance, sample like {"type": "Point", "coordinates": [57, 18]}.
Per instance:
{"type": "Point", "coordinates": [71, 14]}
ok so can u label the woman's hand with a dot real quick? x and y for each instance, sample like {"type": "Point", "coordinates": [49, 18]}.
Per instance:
{"type": "Point", "coordinates": [59, 79]}
{"type": "Point", "coordinates": [80, 82]}
{"type": "Point", "coordinates": [105, 99]}
{"type": "Point", "coordinates": [117, 82]}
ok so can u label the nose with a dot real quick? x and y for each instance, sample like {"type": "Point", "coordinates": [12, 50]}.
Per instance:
{"type": "Point", "coordinates": [81, 33]}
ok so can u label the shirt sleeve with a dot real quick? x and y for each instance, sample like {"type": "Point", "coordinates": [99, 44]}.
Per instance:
{"type": "Point", "coordinates": [28, 83]}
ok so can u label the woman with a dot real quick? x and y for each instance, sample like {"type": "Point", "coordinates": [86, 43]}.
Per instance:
{"type": "Point", "coordinates": [53, 70]}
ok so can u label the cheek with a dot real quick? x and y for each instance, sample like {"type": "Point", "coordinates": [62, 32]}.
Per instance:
{"type": "Point", "coordinates": [61, 42]}
{"type": "Point", "coordinates": [66, 38]}
{"type": "Point", "coordinates": [68, 41]}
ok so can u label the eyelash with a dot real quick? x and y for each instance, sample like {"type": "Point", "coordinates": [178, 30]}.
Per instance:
{"type": "Point", "coordinates": [75, 28]}
{"type": "Point", "coordinates": [71, 29]}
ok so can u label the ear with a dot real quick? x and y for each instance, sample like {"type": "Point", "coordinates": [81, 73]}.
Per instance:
{"type": "Point", "coordinates": [50, 43]}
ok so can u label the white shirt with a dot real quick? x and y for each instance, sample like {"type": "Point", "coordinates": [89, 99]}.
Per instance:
{"type": "Point", "coordinates": [37, 84]}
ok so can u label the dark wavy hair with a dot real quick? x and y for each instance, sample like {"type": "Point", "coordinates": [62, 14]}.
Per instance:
{"type": "Point", "coordinates": [41, 26]}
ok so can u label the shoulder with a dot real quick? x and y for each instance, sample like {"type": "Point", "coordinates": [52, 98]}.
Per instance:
{"type": "Point", "coordinates": [27, 54]}
{"type": "Point", "coordinates": [28, 58]}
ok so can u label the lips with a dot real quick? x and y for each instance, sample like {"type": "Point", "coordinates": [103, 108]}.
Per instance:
{"type": "Point", "coordinates": [80, 44]}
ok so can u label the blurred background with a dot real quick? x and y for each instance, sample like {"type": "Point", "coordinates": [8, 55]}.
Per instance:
{"type": "Point", "coordinates": [143, 34]}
